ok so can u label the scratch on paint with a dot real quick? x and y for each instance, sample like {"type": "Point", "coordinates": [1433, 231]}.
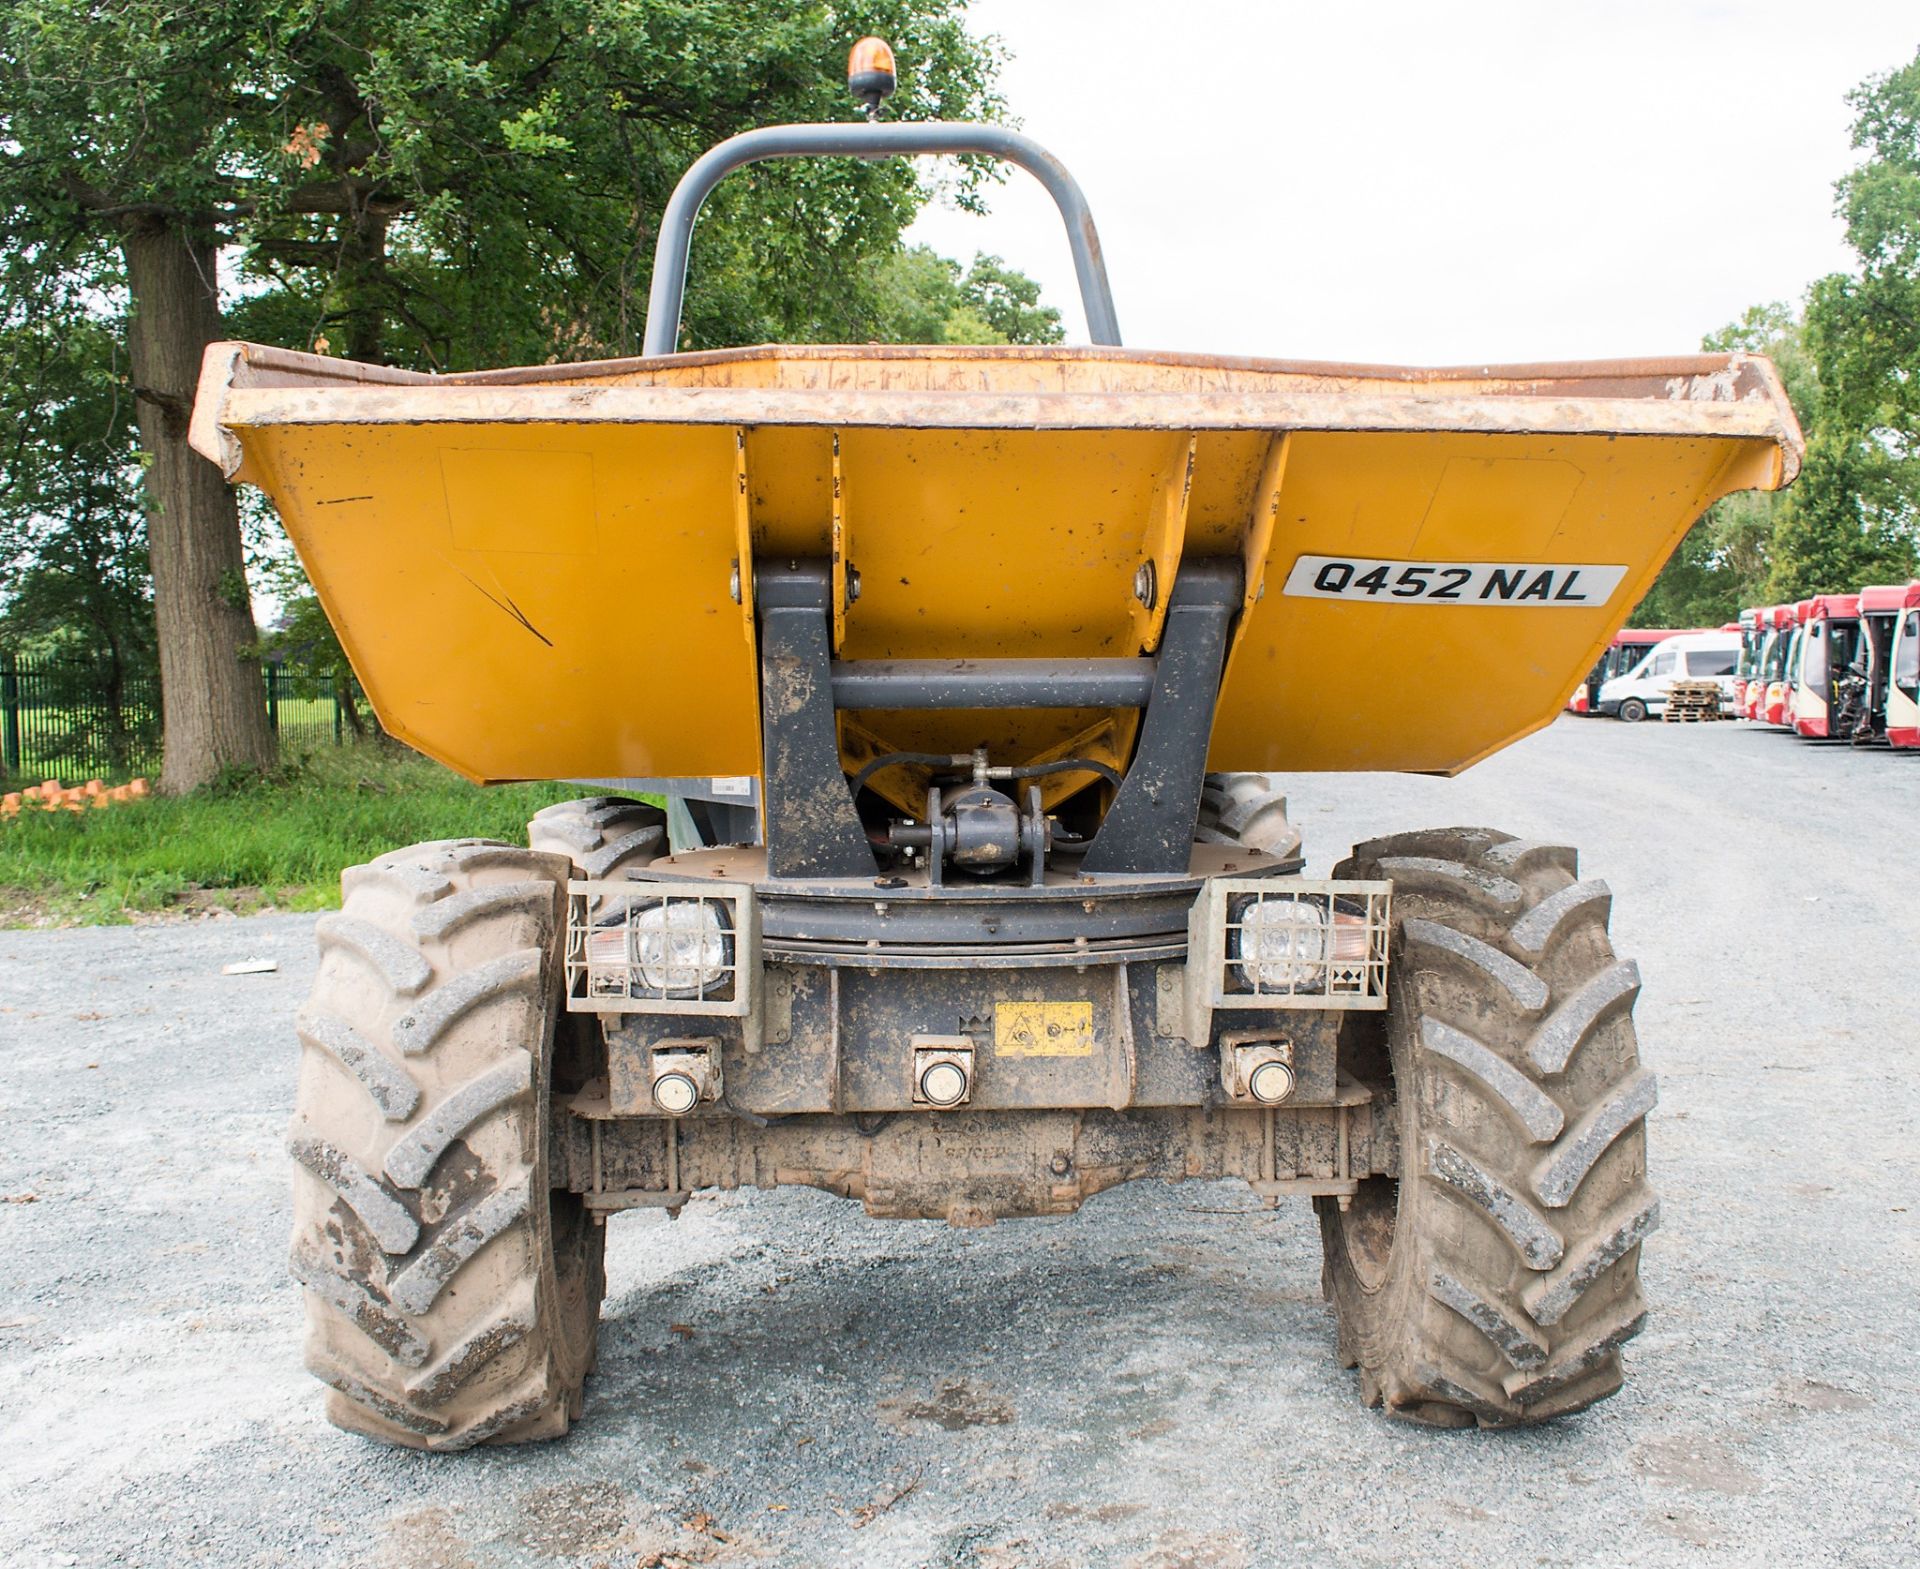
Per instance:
{"type": "Point", "coordinates": [505, 602]}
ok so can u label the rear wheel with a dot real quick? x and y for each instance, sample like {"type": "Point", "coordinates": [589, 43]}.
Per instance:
{"type": "Point", "coordinates": [1247, 809]}
{"type": "Point", "coordinates": [602, 835]}
{"type": "Point", "coordinates": [1496, 1280]}
{"type": "Point", "coordinates": [1633, 710]}
{"type": "Point", "coordinates": [453, 1292]}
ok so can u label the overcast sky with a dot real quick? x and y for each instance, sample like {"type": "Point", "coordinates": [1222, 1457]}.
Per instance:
{"type": "Point", "coordinates": [1428, 183]}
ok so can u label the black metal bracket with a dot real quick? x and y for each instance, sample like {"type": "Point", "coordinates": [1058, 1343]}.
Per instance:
{"type": "Point", "coordinates": [1149, 828]}
{"type": "Point", "coordinates": [812, 829]}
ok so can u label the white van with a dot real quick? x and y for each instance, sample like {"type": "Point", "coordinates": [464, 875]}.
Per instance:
{"type": "Point", "coordinates": [1692, 656]}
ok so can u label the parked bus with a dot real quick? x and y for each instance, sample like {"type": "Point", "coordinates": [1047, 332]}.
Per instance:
{"type": "Point", "coordinates": [1629, 646]}
{"type": "Point", "coordinates": [1903, 682]}
{"type": "Point", "coordinates": [1753, 662]}
{"type": "Point", "coordinates": [1860, 707]}
{"type": "Point", "coordinates": [1767, 693]}
{"type": "Point", "coordinates": [1752, 635]}
{"type": "Point", "coordinates": [1829, 634]}
{"type": "Point", "coordinates": [1780, 693]}
{"type": "Point", "coordinates": [1637, 693]}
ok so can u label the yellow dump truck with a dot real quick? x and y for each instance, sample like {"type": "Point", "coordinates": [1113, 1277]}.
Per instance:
{"type": "Point", "coordinates": [964, 673]}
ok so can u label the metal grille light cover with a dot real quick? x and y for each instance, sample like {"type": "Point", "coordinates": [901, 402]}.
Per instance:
{"type": "Point", "coordinates": [661, 947]}
{"type": "Point", "coordinates": [1273, 942]}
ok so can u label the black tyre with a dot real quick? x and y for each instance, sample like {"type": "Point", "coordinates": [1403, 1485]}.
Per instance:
{"type": "Point", "coordinates": [453, 1294]}
{"type": "Point", "coordinates": [1495, 1281]}
{"type": "Point", "coordinates": [602, 835]}
{"type": "Point", "coordinates": [1247, 809]}
{"type": "Point", "coordinates": [1633, 710]}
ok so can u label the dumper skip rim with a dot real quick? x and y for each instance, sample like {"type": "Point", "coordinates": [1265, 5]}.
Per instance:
{"type": "Point", "coordinates": [1715, 396]}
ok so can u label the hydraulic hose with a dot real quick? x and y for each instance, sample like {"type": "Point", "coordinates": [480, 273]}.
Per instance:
{"type": "Point", "coordinates": [1064, 765]}
{"type": "Point", "coordinates": [896, 759]}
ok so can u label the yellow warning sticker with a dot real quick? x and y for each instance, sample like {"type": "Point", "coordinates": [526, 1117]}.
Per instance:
{"type": "Point", "coordinates": [1043, 1029]}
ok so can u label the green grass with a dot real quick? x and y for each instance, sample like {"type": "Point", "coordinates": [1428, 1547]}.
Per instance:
{"type": "Point", "coordinates": [279, 842]}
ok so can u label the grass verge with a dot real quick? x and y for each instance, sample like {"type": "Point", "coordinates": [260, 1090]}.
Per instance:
{"type": "Point", "coordinates": [274, 843]}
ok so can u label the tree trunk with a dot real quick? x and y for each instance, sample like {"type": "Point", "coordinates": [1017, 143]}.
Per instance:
{"type": "Point", "coordinates": [119, 743]}
{"type": "Point", "coordinates": [362, 279]}
{"type": "Point", "coordinates": [350, 708]}
{"type": "Point", "coordinates": [213, 716]}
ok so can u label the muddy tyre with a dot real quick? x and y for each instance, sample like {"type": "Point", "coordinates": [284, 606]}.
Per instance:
{"type": "Point", "coordinates": [1247, 809]}
{"type": "Point", "coordinates": [602, 835]}
{"type": "Point", "coordinates": [1496, 1280]}
{"type": "Point", "coordinates": [453, 1295]}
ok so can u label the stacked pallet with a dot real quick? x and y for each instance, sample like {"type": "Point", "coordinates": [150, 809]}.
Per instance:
{"type": "Point", "coordinates": [1692, 702]}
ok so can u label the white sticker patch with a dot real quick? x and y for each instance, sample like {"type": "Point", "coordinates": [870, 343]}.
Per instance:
{"type": "Point", "coordinates": [737, 784]}
{"type": "Point", "coordinates": [1454, 582]}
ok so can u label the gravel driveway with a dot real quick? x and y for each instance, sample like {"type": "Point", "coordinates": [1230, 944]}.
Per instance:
{"type": "Point", "coordinates": [1150, 1382]}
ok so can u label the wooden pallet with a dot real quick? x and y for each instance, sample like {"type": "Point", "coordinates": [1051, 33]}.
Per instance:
{"type": "Point", "coordinates": [1693, 702]}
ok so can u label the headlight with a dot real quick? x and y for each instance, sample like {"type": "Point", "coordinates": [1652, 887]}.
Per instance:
{"type": "Point", "coordinates": [1284, 944]}
{"type": "Point", "coordinates": [680, 947]}
{"type": "Point", "coordinates": [673, 948]}
{"type": "Point", "coordinates": [1281, 945]}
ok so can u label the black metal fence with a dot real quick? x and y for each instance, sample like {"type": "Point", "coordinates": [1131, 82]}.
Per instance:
{"type": "Point", "coordinates": [80, 719]}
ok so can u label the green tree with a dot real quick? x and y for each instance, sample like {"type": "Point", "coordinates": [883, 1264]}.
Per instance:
{"type": "Point", "coordinates": [71, 532]}
{"type": "Point", "coordinates": [463, 185]}
{"type": "Point", "coordinates": [919, 296]}
{"type": "Point", "coordinates": [442, 182]}
{"type": "Point", "coordinates": [1725, 563]}
{"type": "Point", "coordinates": [108, 167]}
{"type": "Point", "coordinates": [72, 541]}
{"type": "Point", "coordinates": [1854, 514]}
{"type": "Point", "coordinates": [1852, 369]}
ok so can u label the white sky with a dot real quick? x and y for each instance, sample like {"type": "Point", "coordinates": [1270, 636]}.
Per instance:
{"type": "Point", "coordinates": [1433, 183]}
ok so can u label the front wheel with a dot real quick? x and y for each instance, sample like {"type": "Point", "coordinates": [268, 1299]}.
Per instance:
{"type": "Point", "coordinates": [1495, 1281]}
{"type": "Point", "coordinates": [1633, 710]}
{"type": "Point", "coordinates": [453, 1290]}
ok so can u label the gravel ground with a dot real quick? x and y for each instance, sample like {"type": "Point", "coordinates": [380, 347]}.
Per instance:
{"type": "Point", "coordinates": [1148, 1383]}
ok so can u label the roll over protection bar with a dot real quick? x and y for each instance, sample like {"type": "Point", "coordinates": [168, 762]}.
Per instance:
{"type": "Point", "coordinates": [898, 139]}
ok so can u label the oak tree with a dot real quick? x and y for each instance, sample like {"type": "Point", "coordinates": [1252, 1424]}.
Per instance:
{"type": "Point", "coordinates": [440, 183]}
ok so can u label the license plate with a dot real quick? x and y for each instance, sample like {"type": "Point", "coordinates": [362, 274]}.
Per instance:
{"type": "Point", "coordinates": [1544, 584]}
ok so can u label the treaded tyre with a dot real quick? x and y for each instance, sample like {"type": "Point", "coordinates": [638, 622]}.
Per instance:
{"type": "Point", "coordinates": [1497, 1279]}
{"type": "Point", "coordinates": [1247, 809]}
{"type": "Point", "coordinates": [602, 835]}
{"type": "Point", "coordinates": [1633, 711]}
{"type": "Point", "coordinates": [453, 1295]}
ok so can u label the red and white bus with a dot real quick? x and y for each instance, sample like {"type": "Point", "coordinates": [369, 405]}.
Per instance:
{"type": "Point", "coordinates": [1790, 674]}
{"type": "Point", "coordinates": [1767, 692]}
{"type": "Point", "coordinates": [1866, 686]}
{"type": "Point", "coordinates": [1829, 636]}
{"type": "Point", "coordinates": [1752, 635]}
{"type": "Point", "coordinates": [1903, 675]}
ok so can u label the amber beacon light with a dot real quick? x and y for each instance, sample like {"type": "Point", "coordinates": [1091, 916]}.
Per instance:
{"type": "Point", "coordinates": [870, 76]}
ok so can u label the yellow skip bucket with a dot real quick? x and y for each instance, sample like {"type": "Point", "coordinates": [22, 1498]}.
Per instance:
{"type": "Point", "coordinates": [547, 573]}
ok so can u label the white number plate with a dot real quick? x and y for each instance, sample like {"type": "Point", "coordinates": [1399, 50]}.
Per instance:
{"type": "Point", "coordinates": [1453, 582]}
